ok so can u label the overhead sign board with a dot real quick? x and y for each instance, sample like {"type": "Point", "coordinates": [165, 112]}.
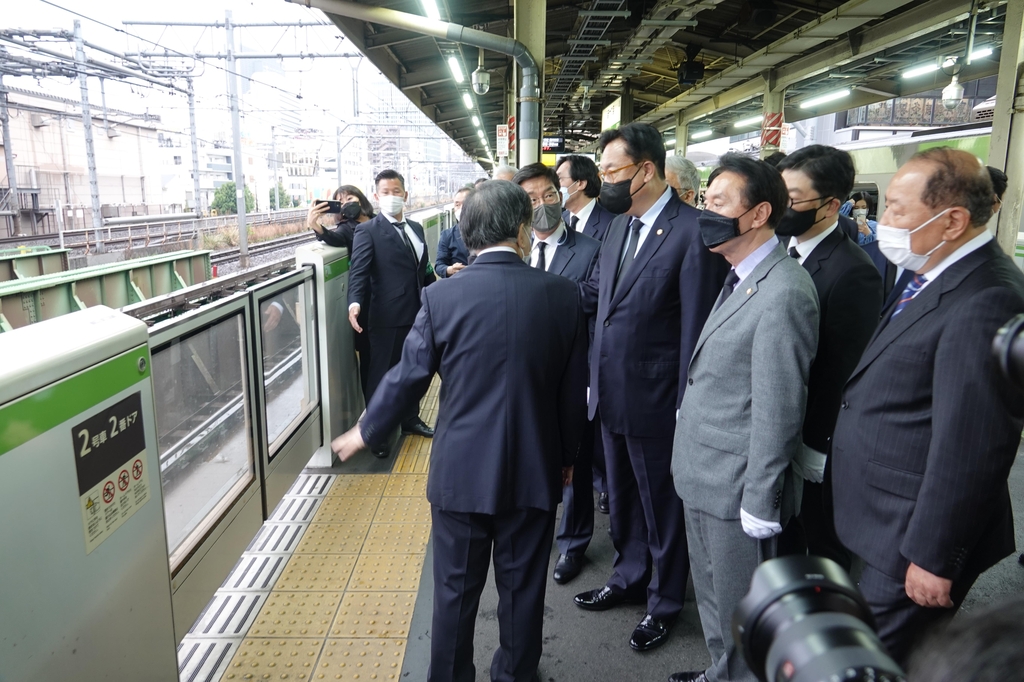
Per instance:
{"type": "Point", "coordinates": [612, 115]}
{"type": "Point", "coordinates": [502, 140]}
{"type": "Point", "coordinates": [553, 144]}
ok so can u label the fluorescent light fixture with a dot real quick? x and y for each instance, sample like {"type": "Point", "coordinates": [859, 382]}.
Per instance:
{"type": "Point", "coordinates": [983, 52]}
{"type": "Point", "coordinates": [748, 121]}
{"type": "Point", "coordinates": [480, 133]}
{"type": "Point", "coordinates": [476, 121]}
{"type": "Point", "coordinates": [828, 97]}
{"type": "Point", "coordinates": [701, 134]}
{"type": "Point", "coordinates": [920, 70]}
{"type": "Point", "coordinates": [453, 64]}
{"type": "Point", "coordinates": [670, 143]}
{"type": "Point", "coordinates": [467, 100]}
{"type": "Point", "coordinates": [430, 7]}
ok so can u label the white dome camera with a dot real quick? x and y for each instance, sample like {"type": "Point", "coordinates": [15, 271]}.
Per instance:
{"type": "Point", "coordinates": [481, 81]}
{"type": "Point", "coordinates": [952, 94]}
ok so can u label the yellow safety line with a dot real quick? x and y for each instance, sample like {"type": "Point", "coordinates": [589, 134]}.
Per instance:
{"type": "Point", "coordinates": [342, 607]}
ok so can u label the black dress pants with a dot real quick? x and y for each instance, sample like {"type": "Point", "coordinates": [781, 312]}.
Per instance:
{"type": "Point", "coordinates": [463, 543]}
{"type": "Point", "coordinates": [386, 352]}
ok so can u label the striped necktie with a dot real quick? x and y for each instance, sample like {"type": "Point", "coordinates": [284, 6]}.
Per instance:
{"type": "Point", "coordinates": [913, 286]}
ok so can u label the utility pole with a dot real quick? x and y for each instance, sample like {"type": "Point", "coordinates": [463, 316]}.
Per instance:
{"type": "Point", "coordinates": [12, 175]}
{"type": "Point", "coordinates": [90, 149]}
{"type": "Point", "coordinates": [337, 152]}
{"type": "Point", "coordinates": [195, 148]}
{"type": "Point", "coordinates": [236, 134]}
{"type": "Point", "coordinates": [273, 165]}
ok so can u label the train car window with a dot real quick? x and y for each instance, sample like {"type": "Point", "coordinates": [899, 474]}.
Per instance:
{"type": "Point", "coordinates": [203, 431]}
{"type": "Point", "coordinates": [289, 373]}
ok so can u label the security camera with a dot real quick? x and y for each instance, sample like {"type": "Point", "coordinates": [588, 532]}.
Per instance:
{"type": "Point", "coordinates": [585, 104]}
{"type": "Point", "coordinates": [952, 94]}
{"type": "Point", "coordinates": [481, 81]}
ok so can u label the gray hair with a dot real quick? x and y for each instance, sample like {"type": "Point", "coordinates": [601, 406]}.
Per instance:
{"type": "Point", "coordinates": [494, 213]}
{"type": "Point", "coordinates": [510, 171]}
{"type": "Point", "coordinates": [683, 168]}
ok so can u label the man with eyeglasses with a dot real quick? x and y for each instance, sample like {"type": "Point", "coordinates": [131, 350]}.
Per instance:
{"type": "Point", "coordinates": [849, 289]}
{"type": "Point", "coordinates": [570, 254]}
{"type": "Point", "coordinates": [653, 288]}
{"type": "Point", "coordinates": [580, 185]}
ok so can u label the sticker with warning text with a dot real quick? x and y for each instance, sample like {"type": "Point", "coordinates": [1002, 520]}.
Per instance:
{"type": "Point", "coordinates": [110, 458]}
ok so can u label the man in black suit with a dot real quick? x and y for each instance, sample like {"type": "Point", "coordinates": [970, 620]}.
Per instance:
{"type": "Point", "coordinates": [654, 286]}
{"type": "Point", "coordinates": [389, 269]}
{"type": "Point", "coordinates": [452, 254]}
{"type": "Point", "coordinates": [929, 428]}
{"type": "Point", "coordinates": [573, 255]}
{"type": "Point", "coordinates": [849, 289]}
{"type": "Point", "coordinates": [509, 343]}
{"type": "Point", "coordinates": [580, 185]}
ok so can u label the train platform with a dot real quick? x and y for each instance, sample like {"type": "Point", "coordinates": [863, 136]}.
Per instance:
{"type": "Point", "coordinates": [337, 585]}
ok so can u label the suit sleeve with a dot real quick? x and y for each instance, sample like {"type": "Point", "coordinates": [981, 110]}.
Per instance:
{"type": "Point", "coordinates": [405, 383]}
{"type": "Point", "coordinates": [785, 342]}
{"type": "Point", "coordinates": [341, 236]}
{"type": "Point", "coordinates": [593, 263]}
{"type": "Point", "coordinates": [359, 272]}
{"type": "Point", "coordinates": [853, 308]}
{"type": "Point", "coordinates": [590, 286]}
{"type": "Point", "coordinates": [444, 254]}
{"type": "Point", "coordinates": [976, 425]}
{"type": "Point", "coordinates": [572, 395]}
{"type": "Point", "coordinates": [700, 282]}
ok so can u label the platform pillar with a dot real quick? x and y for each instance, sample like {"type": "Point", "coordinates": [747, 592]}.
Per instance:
{"type": "Point", "coordinates": [1007, 147]}
{"type": "Point", "coordinates": [682, 134]}
{"type": "Point", "coordinates": [530, 27]}
{"type": "Point", "coordinates": [771, 125]}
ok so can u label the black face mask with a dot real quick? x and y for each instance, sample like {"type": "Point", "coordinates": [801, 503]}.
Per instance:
{"type": "Point", "coordinates": [351, 211]}
{"type": "Point", "coordinates": [716, 228]}
{"type": "Point", "coordinates": [616, 197]}
{"type": "Point", "coordinates": [794, 223]}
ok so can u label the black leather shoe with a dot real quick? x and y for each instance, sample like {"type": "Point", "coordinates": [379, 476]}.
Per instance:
{"type": "Point", "coordinates": [649, 634]}
{"type": "Point", "coordinates": [417, 427]}
{"type": "Point", "coordinates": [382, 453]}
{"type": "Point", "coordinates": [602, 503]}
{"type": "Point", "coordinates": [599, 600]}
{"type": "Point", "coordinates": [691, 676]}
{"type": "Point", "coordinates": [567, 567]}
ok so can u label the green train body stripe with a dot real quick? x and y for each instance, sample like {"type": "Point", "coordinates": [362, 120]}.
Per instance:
{"type": "Point", "coordinates": [38, 412]}
{"type": "Point", "coordinates": [338, 267]}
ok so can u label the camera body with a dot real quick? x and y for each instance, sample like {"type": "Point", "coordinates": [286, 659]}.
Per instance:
{"type": "Point", "coordinates": [481, 81]}
{"type": "Point", "coordinates": [952, 95]}
{"type": "Point", "coordinates": [1008, 349]}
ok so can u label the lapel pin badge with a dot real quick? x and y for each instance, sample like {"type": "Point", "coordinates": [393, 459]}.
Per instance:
{"type": "Point", "coordinates": [749, 291]}
{"type": "Point", "coordinates": [659, 232]}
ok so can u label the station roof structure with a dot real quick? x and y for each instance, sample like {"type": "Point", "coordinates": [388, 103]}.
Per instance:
{"type": "Point", "coordinates": [600, 49]}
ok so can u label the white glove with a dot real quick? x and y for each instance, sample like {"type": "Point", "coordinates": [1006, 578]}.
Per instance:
{"type": "Point", "coordinates": [756, 528]}
{"type": "Point", "coordinates": [809, 464]}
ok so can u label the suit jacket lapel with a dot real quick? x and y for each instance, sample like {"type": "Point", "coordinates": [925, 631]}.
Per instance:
{"type": "Point", "coordinates": [563, 254]}
{"type": "Point", "coordinates": [390, 233]}
{"type": "Point", "coordinates": [611, 252]}
{"type": "Point", "coordinates": [823, 251]}
{"type": "Point", "coordinates": [655, 238]}
{"type": "Point", "coordinates": [743, 292]}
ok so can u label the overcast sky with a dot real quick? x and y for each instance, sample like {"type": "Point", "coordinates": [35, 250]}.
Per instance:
{"type": "Point", "coordinates": [324, 85]}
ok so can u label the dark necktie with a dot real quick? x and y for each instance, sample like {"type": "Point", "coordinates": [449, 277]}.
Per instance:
{"type": "Point", "coordinates": [634, 238]}
{"type": "Point", "coordinates": [572, 223]}
{"type": "Point", "coordinates": [542, 263]}
{"type": "Point", "coordinates": [408, 242]}
{"type": "Point", "coordinates": [727, 287]}
{"type": "Point", "coordinates": [913, 286]}
{"type": "Point", "coordinates": [793, 253]}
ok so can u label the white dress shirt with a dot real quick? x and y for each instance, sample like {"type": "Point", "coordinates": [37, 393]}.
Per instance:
{"type": "Point", "coordinates": [753, 259]}
{"type": "Point", "coordinates": [804, 248]}
{"type": "Point", "coordinates": [417, 243]}
{"type": "Point", "coordinates": [584, 215]}
{"type": "Point", "coordinates": [552, 242]}
{"type": "Point", "coordinates": [495, 249]}
{"type": "Point", "coordinates": [647, 219]}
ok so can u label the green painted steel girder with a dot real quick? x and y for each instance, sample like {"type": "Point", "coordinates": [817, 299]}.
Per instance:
{"type": "Point", "coordinates": [19, 264]}
{"type": "Point", "coordinates": [115, 285]}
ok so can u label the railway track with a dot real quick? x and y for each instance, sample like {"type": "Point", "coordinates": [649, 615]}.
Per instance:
{"type": "Point", "coordinates": [260, 248]}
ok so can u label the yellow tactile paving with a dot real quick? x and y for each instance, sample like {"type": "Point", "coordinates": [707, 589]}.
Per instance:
{"type": "Point", "coordinates": [386, 572]}
{"type": "Point", "coordinates": [308, 572]}
{"type": "Point", "coordinates": [333, 538]}
{"type": "Point", "coordinates": [374, 614]}
{"type": "Point", "coordinates": [393, 538]}
{"type": "Point", "coordinates": [407, 485]}
{"type": "Point", "coordinates": [366, 485]}
{"type": "Point", "coordinates": [403, 510]}
{"type": "Point", "coordinates": [274, 659]}
{"type": "Point", "coordinates": [361, 660]}
{"type": "Point", "coordinates": [296, 614]}
{"type": "Point", "coordinates": [343, 605]}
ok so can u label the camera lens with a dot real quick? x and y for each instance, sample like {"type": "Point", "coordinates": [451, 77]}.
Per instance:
{"type": "Point", "coordinates": [803, 620]}
{"type": "Point", "coordinates": [1008, 348]}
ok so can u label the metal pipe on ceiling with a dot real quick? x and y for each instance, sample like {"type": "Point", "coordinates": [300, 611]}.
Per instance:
{"type": "Point", "coordinates": [529, 94]}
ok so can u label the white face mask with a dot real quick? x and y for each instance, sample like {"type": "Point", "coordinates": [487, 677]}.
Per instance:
{"type": "Point", "coordinates": [391, 204]}
{"type": "Point", "coordinates": [894, 243]}
{"type": "Point", "coordinates": [566, 194]}
{"type": "Point", "coordinates": [860, 213]}
{"type": "Point", "coordinates": [458, 214]}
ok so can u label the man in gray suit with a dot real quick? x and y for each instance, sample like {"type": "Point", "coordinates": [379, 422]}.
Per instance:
{"type": "Point", "coordinates": [742, 415]}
